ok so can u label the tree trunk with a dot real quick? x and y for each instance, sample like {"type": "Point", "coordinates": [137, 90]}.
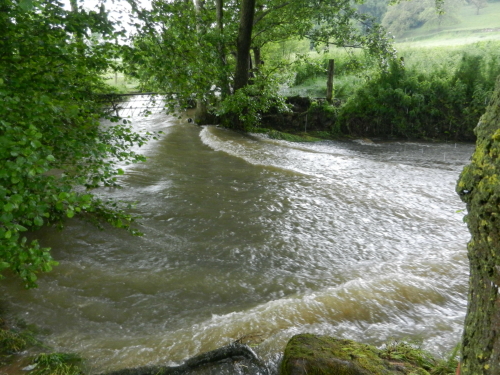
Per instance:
{"type": "Point", "coordinates": [226, 87]}
{"type": "Point", "coordinates": [256, 58]}
{"type": "Point", "coordinates": [78, 34]}
{"type": "Point", "coordinates": [244, 43]}
{"type": "Point", "coordinates": [479, 188]}
{"type": "Point", "coordinates": [201, 112]}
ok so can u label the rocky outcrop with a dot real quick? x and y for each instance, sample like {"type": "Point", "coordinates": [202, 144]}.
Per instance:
{"type": "Point", "coordinates": [321, 355]}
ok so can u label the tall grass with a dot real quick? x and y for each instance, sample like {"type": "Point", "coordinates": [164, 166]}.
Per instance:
{"type": "Point", "coordinates": [429, 93]}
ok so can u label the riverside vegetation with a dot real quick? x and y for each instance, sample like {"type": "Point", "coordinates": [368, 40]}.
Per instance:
{"type": "Point", "coordinates": [434, 92]}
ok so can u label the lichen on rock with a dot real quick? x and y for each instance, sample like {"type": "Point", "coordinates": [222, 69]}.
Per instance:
{"type": "Point", "coordinates": [321, 355]}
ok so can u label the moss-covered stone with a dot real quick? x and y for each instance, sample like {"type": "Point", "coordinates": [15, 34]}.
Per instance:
{"type": "Point", "coordinates": [323, 355]}
{"type": "Point", "coordinates": [479, 188]}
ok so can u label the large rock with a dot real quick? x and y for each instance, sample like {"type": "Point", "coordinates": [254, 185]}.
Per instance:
{"type": "Point", "coordinates": [321, 355]}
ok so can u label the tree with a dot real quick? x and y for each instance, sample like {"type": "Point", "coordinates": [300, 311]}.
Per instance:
{"type": "Point", "coordinates": [479, 188]}
{"type": "Point", "coordinates": [478, 4]}
{"type": "Point", "coordinates": [375, 8]}
{"type": "Point", "coordinates": [168, 55]}
{"type": "Point", "coordinates": [51, 143]}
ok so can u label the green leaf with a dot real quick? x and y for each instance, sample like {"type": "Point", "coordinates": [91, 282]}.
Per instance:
{"type": "Point", "coordinates": [8, 207]}
{"type": "Point", "coordinates": [4, 265]}
{"type": "Point", "coordinates": [63, 195]}
{"type": "Point", "coordinates": [70, 213]}
{"type": "Point", "coordinates": [26, 4]}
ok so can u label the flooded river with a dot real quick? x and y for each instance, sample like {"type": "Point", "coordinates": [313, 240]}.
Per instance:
{"type": "Point", "coordinates": [248, 237]}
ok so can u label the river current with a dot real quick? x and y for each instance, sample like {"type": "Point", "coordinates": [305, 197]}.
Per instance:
{"type": "Point", "coordinates": [257, 239]}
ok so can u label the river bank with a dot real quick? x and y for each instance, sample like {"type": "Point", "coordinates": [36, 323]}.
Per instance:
{"type": "Point", "coordinates": [312, 119]}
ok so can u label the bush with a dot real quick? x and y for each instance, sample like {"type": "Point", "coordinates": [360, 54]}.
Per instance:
{"type": "Point", "coordinates": [411, 102]}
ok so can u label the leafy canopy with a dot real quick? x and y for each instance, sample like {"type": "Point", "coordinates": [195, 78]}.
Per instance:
{"type": "Point", "coordinates": [189, 52]}
{"type": "Point", "coordinates": [52, 147]}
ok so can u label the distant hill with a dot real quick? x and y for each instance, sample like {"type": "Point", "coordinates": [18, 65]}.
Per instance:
{"type": "Point", "coordinates": [472, 28]}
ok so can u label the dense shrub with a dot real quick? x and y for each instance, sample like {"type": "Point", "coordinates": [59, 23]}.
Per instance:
{"type": "Point", "coordinates": [408, 102]}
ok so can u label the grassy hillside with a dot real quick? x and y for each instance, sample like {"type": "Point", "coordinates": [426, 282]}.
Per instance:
{"type": "Point", "coordinates": [472, 28]}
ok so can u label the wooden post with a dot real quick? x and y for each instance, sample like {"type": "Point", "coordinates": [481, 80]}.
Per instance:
{"type": "Point", "coordinates": [329, 84]}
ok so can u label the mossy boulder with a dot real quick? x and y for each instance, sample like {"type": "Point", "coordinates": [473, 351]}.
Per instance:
{"type": "Point", "coordinates": [323, 355]}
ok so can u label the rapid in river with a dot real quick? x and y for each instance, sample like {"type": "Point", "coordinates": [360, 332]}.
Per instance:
{"type": "Point", "coordinates": [251, 238]}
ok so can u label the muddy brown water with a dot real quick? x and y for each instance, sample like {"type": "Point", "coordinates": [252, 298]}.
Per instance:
{"type": "Point", "coordinates": [248, 237]}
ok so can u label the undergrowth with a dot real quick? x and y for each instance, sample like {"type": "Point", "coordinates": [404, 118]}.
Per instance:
{"type": "Point", "coordinates": [19, 337]}
{"type": "Point", "coordinates": [58, 364]}
{"type": "Point", "coordinates": [413, 353]}
{"type": "Point", "coordinates": [430, 93]}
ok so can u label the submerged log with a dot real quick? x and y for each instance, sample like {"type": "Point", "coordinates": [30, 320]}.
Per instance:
{"type": "Point", "coordinates": [232, 354]}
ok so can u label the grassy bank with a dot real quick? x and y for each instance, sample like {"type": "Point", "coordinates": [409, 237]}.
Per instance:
{"type": "Point", "coordinates": [21, 351]}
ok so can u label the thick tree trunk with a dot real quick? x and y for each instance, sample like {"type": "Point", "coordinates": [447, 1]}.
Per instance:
{"type": "Point", "coordinates": [244, 43]}
{"type": "Point", "coordinates": [479, 187]}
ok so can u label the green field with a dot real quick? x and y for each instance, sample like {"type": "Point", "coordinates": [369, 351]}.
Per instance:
{"type": "Point", "coordinates": [471, 29]}
{"type": "Point", "coordinates": [120, 82]}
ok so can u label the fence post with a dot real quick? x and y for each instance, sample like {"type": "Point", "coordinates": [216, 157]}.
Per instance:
{"type": "Point", "coordinates": [329, 84]}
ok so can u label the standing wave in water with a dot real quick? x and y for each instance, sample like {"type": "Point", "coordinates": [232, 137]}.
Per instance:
{"type": "Point", "coordinates": [248, 237]}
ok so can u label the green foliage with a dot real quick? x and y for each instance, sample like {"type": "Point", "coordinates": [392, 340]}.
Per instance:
{"type": "Point", "coordinates": [11, 342]}
{"type": "Point", "coordinates": [443, 102]}
{"type": "Point", "coordinates": [413, 353]}
{"type": "Point", "coordinates": [413, 14]}
{"type": "Point", "coordinates": [347, 62]}
{"type": "Point", "coordinates": [448, 365]}
{"type": "Point", "coordinates": [408, 352]}
{"type": "Point", "coordinates": [51, 142]}
{"type": "Point", "coordinates": [58, 364]}
{"type": "Point", "coordinates": [376, 8]}
{"type": "Point", "coordinates": [187, 53]}
{"type": "Point", "coordinates": [244, 109]}
{"type": "Point", "coordinates": [14, 339]}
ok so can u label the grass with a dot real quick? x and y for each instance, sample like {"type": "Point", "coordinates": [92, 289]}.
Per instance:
{"type": "Point", "coordinates": [120, 82]}
{"type": "Point", "coordinates": [472, 28]}
{"type": "Point", "coordinates": [58, 364]}
{"type": "Point", "coordinates": [344, 86]}
{"type": "Point", "coordinates": [423, 57]}
{"type": "Point", "coordinates": [413, 353]}
{"type": "Point", "coordinates": [17, 338]}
